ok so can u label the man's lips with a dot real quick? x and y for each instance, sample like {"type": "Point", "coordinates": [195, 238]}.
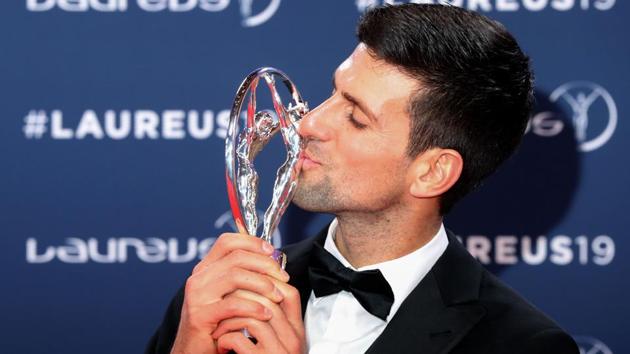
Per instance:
{"type": "Point", "coordinates": [308, 162]}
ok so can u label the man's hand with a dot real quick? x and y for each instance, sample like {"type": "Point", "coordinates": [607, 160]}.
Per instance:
{"type": "Point", "coordinates": [235, 262]}
{"type": "Point", "coordinates": [282, 334]}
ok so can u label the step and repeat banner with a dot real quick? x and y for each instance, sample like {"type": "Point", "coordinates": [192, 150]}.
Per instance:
{"type": "Point", "coordinates": [113, 117]}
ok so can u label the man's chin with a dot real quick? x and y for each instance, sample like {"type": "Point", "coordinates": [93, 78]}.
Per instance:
{"type": "Point", "coordinates": [316, 198]}
{"type": "Point", "coordinates": [306, 208]}
{"type": "Point", "coordinates": [307, 204]}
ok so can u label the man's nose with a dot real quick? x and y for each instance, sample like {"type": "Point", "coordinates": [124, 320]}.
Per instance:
{"type": "Point", "coordinates": [316, 124]}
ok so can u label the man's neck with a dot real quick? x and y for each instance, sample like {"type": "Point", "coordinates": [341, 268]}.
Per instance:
{"type": "Point", "coordinates": [370, 238]}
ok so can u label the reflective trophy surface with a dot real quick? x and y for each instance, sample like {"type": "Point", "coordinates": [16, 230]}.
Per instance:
{"type": "Point", "coordinates": [242, 147]}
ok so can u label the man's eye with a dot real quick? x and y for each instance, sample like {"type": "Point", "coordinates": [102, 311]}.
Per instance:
{"type": "Point", "coordinates": [356, 123]}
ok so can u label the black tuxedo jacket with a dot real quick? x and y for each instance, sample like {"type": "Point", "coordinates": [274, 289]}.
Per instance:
{"type": "Point", "coordinates": [459, 307]}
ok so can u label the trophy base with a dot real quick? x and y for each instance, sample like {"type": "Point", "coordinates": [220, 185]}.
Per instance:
{"type": "Point", "coordinates": [279, 257]}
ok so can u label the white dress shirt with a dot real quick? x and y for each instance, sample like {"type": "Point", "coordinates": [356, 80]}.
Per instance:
{"type": "Point", "coordinates": [337, 323]}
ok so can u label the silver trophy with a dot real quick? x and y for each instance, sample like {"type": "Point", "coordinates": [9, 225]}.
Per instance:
{"type": "Point", "coordinates": [242, 147]}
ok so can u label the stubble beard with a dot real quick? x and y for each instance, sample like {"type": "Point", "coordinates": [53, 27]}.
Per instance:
{"type": "Point", "coordinates": [316, 197]}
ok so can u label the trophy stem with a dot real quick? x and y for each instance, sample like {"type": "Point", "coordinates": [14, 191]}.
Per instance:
{"type": "Point", "coordinates": [280, 257]}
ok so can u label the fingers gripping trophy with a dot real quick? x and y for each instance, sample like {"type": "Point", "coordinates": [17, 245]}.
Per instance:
{"type": "Point", "coordinates": [243, 145]}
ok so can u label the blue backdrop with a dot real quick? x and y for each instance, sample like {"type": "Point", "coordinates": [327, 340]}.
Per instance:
{"type": "Point", "coordinates": [114, 114]}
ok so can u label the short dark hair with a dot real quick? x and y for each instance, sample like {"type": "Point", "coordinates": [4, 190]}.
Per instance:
{"type": "Point", "coordinates": [476, 84]}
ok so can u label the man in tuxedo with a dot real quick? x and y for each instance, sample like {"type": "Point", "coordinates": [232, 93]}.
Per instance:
{"type": "Point", "coordinates": [431, 101]}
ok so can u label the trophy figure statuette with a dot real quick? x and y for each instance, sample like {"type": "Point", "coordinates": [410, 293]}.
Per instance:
{"type": "Point", "coordinates": [242, 147]}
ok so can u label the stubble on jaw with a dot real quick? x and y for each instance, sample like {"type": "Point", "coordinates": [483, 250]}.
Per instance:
{"type": "Point", "coordinates": [318, 197]}
{"type": "Point", "coordinates": [321, 196]}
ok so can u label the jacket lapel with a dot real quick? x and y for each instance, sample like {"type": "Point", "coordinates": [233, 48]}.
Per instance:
{"type": "Point", "coordinates": [440, 310]}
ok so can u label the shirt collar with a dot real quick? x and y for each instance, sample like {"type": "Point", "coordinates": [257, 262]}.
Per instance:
{"type": "Point", "coordinates": [403, 274]}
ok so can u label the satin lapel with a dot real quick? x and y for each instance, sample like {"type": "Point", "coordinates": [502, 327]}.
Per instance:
{"type": "Point", "coordinates": [440, 310]}
{"type": "Point", "coordinates": [298, 257]}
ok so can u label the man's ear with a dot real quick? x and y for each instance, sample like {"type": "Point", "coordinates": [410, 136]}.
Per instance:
{"type": "Point", "coordinates": [434, 172]}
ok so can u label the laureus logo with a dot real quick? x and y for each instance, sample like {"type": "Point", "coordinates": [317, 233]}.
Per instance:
{"type": "Point", "coordinates": [590, 345]}
{"type": "Point", "coordinates": [254, 13]}
{"type": "Point", "coordinates": [252, 18]}
{"type": "Point", "coordinates": [502, 5]}
{"type": "Point", "coordinates": [225, 223]}
{"type": "Point", "coordinates": [594, 113]}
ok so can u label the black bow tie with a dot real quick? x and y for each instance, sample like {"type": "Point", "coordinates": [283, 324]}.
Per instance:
{"type": "Point", "coordinates": [328, 276]}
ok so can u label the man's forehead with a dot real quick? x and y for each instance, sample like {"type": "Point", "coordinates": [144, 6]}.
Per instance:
{"type": "Point", "coordinates": [373, 80]}
{"type": "Point", "coordinates": [361, 58]}
{"type": "Point", "coordinates": [347, 63]}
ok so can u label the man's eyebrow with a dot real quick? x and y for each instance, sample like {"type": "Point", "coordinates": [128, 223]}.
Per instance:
{"type": "Point", "coordinates": [355, 101]}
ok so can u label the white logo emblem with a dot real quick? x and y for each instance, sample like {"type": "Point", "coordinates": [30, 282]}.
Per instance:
{"type": "Point", "coordinates": [226, 220]}
{"type": "Point", "coordinates": [252, 20]}
{"type": "Point", "coordinates": [364, 5]}
{"type": "Point", "coordinates": [580, 97]}
{"type": "Point", "coordinates": [590, 345]}
{"type": "Point", "coordinates": [501, 6]}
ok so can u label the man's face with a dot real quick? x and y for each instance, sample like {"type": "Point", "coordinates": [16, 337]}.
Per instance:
{"type": "Point", "coordinates": [355, 159]}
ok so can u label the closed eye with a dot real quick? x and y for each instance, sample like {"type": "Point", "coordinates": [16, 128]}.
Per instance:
{"type": "Point", "coordinates": [355, 122]}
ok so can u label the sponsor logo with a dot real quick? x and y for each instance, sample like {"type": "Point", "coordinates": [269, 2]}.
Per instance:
{"type": "Point", "coordinates": [580, 97]}
{"type": "Point", "coordinates": [560, 250]}
{"type": "Point", "coordinates": [76, 250]}
{"type": "Point", "coordinates": [592, 111]}
{"type": "Point", "coordinates": [502, 5]}
{"type": "Point", "coordinates": [116, 250]}
{"type": "Point", "coordinates": [253, 14]}
{"type": "Point", "coordinates": [251, 18]}
{"type": "Point", "coordinates": [590, 345]}
{"type": "Point", "coordinates": [127, 124]}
